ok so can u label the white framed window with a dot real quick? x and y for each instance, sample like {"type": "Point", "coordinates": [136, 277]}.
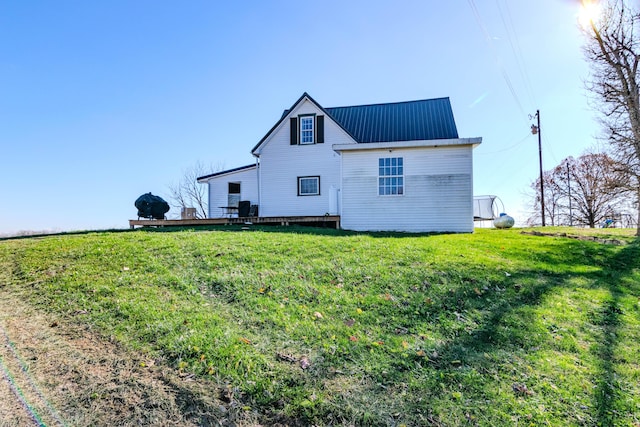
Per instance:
{"type": "Point", "coordinates": [308, 186]}
{"type": "Point", "coordinates": [306, 129]}
{"type": "Point", "coordinates": [390, 176]}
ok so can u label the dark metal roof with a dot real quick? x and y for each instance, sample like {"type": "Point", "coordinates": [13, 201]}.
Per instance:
{"type": "Point", "coordinates": [227, 171]}
{"type": "Point", "coordinates": [401, 121]}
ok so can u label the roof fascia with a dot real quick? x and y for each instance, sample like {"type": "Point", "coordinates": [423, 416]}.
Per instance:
{"type": "Point", "coordinates": [207, 178]}
{"type": "Point", "coordinates": [431, 143]}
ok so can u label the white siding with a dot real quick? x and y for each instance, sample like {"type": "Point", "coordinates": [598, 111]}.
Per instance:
{"type": "Point", "coordinates": [219, 189]}
{"type": "Point", "coordinates": [438, 191]}
{"type": "Point", "coordinates": [281, 164]}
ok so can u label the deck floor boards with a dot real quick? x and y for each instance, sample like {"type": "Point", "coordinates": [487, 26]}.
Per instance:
{"type": "Point", "coordinates": [275, 220]}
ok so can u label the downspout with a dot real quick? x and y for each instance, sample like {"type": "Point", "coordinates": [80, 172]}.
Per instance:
{"type": "Point", "coordinates": [340, 188]}
{"type": "Point", "coordinates": [259, 177]}
{"type": "Point", "coordinates": [473, 225]}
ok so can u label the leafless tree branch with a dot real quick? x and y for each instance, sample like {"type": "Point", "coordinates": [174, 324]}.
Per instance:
{"type": "Point", "coordinates": [188, 193]}
{"type": "Point", "coordinates": [613, 51]}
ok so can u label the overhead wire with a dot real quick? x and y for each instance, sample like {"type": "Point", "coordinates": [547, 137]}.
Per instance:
{"type": "Point", "coordinates": [512, 37]}
{"type": "Point", "coordinates": [548, 148]}
{"type": "Point", "coordinates": [503, 71]}
{"type": "Point", "coordinates": [511, 147]}
{"type": "Point", "coordinates": [517, 50]}
{"type": "Point", "coordinates": [518, 162]}
{"type": "Point", "coordinates": [546, 141]}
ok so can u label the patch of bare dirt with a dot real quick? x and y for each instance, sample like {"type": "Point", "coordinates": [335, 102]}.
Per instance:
{"type": "Point", "coordinates": [56, 373]}
{"type": "Point", "coordinates": [605, 241]}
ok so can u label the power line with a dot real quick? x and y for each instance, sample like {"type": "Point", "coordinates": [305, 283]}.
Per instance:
{"type": "Point", "coordinates": [502, 179]}
{"type": "Point", "coordinates": [511, 147]}
{"type": "Point", "coordinates": [517, 51]}
{"type": "Point", "coordinates": [503, 71]}
{"type": "Point", "coordinates": [548, 147]}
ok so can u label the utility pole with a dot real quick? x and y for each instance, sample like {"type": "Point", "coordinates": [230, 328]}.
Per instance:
{"type": "Point", "coordinates": [536, 130]}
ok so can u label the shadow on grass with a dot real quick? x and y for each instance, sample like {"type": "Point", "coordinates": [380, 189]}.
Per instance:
{"type": "Point", "coordinates": [608, 394]}
{"type": "Point", "coordinates": [607, 391]}
{"type": "Point", "coordinates": [500, 329]}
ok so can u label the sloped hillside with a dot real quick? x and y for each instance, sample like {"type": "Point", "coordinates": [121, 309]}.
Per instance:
{"type": "Point", "coordinates": [295, 326]}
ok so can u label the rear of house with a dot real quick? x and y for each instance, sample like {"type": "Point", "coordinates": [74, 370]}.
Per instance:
{"type": "Point", "coordinates": [382, 167]}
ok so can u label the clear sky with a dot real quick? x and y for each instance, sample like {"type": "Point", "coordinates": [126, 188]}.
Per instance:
{"type": "Point", "coordinates": [101, 102]}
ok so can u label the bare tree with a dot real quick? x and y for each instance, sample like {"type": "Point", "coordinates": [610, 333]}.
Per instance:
{"type": "Point", "coordinates": [591, 186]}
{"type": "Point", "coordinates": [613, 51]}
{"type": "Point", "coordinates": [584, 191]}
{"type": "Point", "coordinates": [188, 193]}
{"type": "Point", "coordinates": [552, 199]}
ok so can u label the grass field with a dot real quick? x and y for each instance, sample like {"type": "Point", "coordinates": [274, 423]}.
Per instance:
{"type": "Point", "coordinates": [302, 326]}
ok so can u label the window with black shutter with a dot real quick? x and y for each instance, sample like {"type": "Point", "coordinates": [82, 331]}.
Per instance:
{"type": "Point", "coordinates": [306, 130]}
{"type": "Point", "coordinates": [319, 129]}
{"type": "Point", "coordinates": [293, 126]}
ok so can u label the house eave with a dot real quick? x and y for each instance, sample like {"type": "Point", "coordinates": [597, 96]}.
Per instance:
{"type": "Point", "coordinates": [207, 178]}
{"type": "Point", "coordinates": [474, 142]}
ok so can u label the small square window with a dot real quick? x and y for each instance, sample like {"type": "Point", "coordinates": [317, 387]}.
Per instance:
{"type": "Point", "coordinates": [309, 186]}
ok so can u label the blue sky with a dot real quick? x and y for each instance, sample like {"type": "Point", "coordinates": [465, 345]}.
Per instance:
{"type": "Point", "coordinates": [103, 101]}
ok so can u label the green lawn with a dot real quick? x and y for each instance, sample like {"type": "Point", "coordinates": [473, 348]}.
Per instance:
{"type": "Point", "coordinates": [311, 326]}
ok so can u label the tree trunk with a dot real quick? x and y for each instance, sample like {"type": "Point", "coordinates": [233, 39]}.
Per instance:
{"type": "Point", "coordinates": [638, 218]}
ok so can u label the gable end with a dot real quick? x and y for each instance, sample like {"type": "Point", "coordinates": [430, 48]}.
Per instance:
{"type": "Point", "coordinates": [286, 114]}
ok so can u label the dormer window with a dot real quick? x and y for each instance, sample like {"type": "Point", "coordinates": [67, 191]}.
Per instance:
{"type": "Point", "coordinates": [306, 129]}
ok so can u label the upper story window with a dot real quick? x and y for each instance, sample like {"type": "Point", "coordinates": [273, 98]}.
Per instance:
{"type": "Point", "coordinates": [306, 129]}
{"type": "Point", "coordinates": [390, 176]}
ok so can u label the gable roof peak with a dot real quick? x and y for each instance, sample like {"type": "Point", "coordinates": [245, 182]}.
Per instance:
{"type": "Point", "coordinates": [285, 114]}
{"type": "Point", "coordinates": [417, 120]}
{"type": "Point", "coordinates": [376, 104]}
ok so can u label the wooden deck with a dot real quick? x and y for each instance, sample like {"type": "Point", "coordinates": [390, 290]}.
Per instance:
{"type": "Point", "coordinates": [325, 220]}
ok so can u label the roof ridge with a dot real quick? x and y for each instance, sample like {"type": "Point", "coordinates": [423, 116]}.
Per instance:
{"type": "Point", "coordinates": [390, 103]}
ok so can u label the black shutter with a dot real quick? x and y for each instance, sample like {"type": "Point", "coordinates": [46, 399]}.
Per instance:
{"type": "Point", "coordinates": [294, 131]}
{"type": "Point", "coordinates": [319, 129]}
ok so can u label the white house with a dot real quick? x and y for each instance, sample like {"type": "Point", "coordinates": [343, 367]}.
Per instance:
{"type": "Point", "coordinates": [383, 167]}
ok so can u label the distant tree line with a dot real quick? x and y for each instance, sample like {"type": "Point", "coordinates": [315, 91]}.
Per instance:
{"type": "Point", "coordinates": [588, 191]}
